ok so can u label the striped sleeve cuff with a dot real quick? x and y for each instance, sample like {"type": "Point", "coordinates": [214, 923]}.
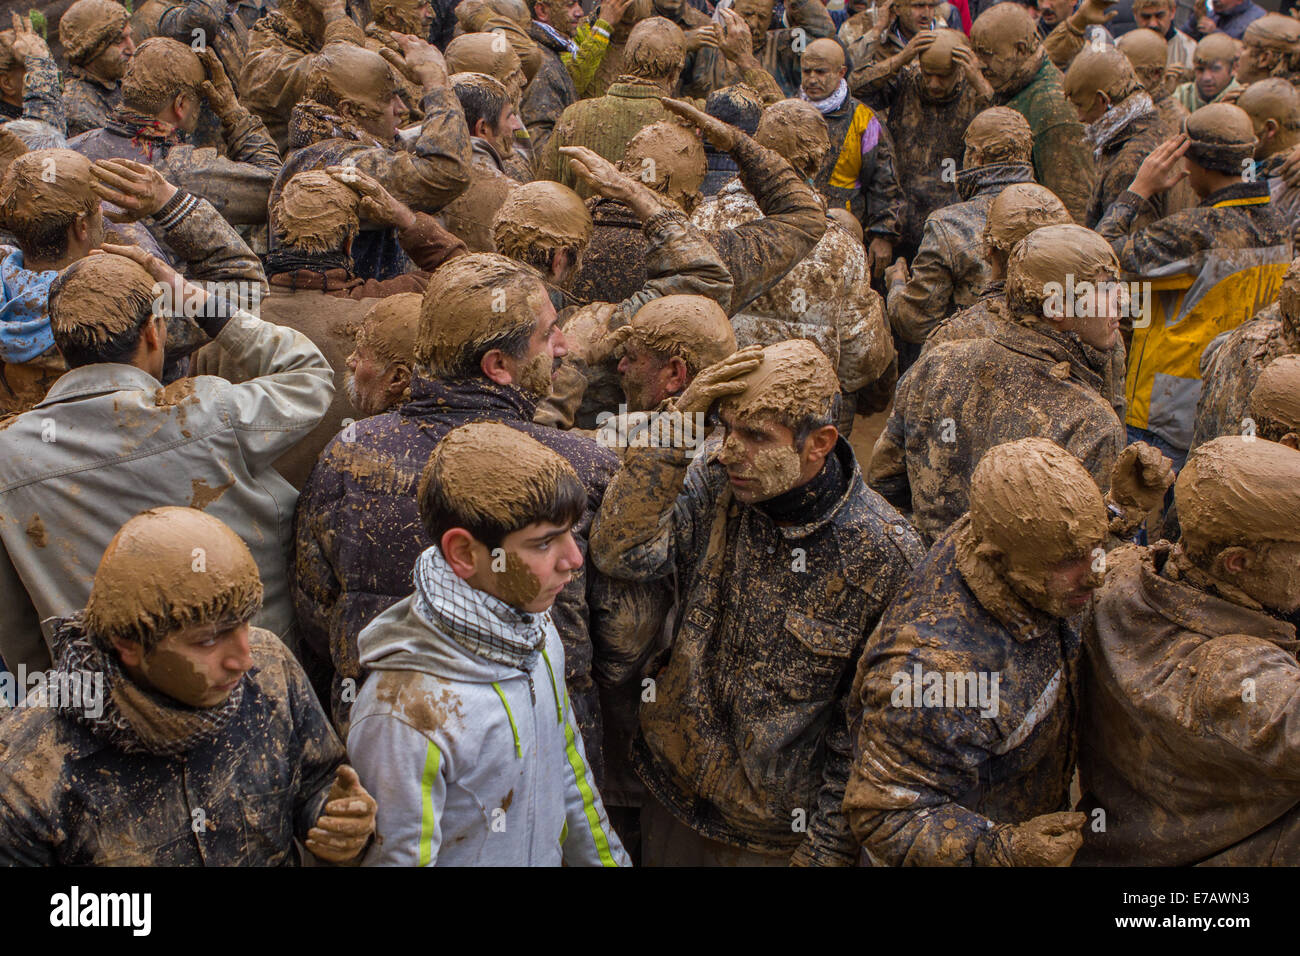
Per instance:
{"type": "Point", "coordinates": [176, 209]}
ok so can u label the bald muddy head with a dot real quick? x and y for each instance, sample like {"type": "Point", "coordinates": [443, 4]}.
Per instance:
{"type": "Point", "coordinates": [1099, 80]}
{"type": "Point", "coordinates": [667, 343]}
{"type": "Point", "coordinates": [780, 429]}
{"type": "Point", "coordinates": [1275, 401]}
{"type": "Point", "coordinates": [1005, 40]}
{"type": "Point", "coordinates": [798, 132]}
{"type": "Point", "coordinates": [998, 135]}
{"type": "Point", "coordinates": [1017, 211]}
{"type": "Point", "coordinates": [546, 225]}
{"type": "Point", "coordinates": [669, 158]}
{"type": "Point", "coordinates": [173, 594]}
{"type": "Point", "coordinates": [379, 368]}
{"type": "Point", "coordinates": [500, 507]}
{"type": "Point", "coordinates": [315, 213]}
{"type": "Point", "coordinates": [485, 315]}
{"type": "Point", "coordinates": [1053, 260]}
{"type": "Point", "coordinates": [1239, 506]}
{"type": "Point", "coordinates": [940, 71]}
{"type": "Point", "coordinates": [1039, 522]}
{"type": "Point", "coordinates": [822, 67]}
{"type": "Point", "coordinates": [165, 80]}
{"type": "Point", "coordinates": [1273, 106]}
{"type": "Point", "coordinates": [1265, 44]}
{"type": "Point", "coordinates": [358, 85]}
{"type": "Point", "coordinates": [1148, 52]}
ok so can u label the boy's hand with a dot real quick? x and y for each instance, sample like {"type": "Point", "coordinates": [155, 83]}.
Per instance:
{"type": "Point", "coordinates": [347, 820]}
{"type": "Point", "coordinates": [217, 89]}
{"type": "Point", "coordinates": [27, 42]}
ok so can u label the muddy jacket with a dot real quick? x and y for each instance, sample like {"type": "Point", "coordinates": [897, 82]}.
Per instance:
{"type": "Point", "coordinates": [42, 95]}
{"type": "Point", "coordinates": [234, 787]}
{"type": "Point", "coordinates": [125, 444]}
{"type": "Point", "coordinates": [87, 100]}
{"type": "Point", "coordinates": [869, 77]}
{"type": "Point", "coordinates": [928, 148]}
{"type": "Point", "coordinates": [469, 216]}
{"type": "Point", "coordinates": [1286, 198]}
{"type": "Point", "coordinates": [427, 175]}
{"type": "Point", "coordinates": [859, 172]}
{"type": "Point", "coordinates": [1062, 161]}
{"type": "Point", "coordinates": [962, 398]}
{"type": "Point", "coordinates": [1188, 95]}
{"type": "Point", "coordinates": [778, 57]}
{"type": "Point", "coordinates": [604, 125]}
{"type": "Point", "coordinates": [1233, 369]}
{"type": "Point", "coordinates": [207, 249]}
{"type": "Point", "coordinates": [1173, 746]}
{"type": "Point", "coordinates": [940, 767]}
{"type": "Point", "coordinates": [748, 724]}
{"type": "Point", "coordinates": [236, 185]}
{"type": "Point", "coordinates": [218, 22]}
{"type": "Point", "coordinates": [950, 268]}
{"type": "Point", "coordinates": [492, 774]}
{"type": "Point", "coordinates": [1118, 157]}
{"type": "Point", "coordinates": [989, 313]}
{"type": "Point", "coordinates": [275, 71]}
{"type": "Point", "coordinates": [826, 298]}
{"type": "Point", "coordinates": [549, 93]}
{"type": "Point", "coordinates": [1211, 268]}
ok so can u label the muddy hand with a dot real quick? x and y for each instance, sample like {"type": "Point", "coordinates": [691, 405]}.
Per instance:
{"type": "Point", "coordinates": [347, 821]}
{"type": "Point", "coordinates": [597, 172]}
{"type": "Point", "coordinates": [378, 205]}
{"type": "Point", "coordinates": [1048, 840]}
{"type": "Point", "coordinates": [217, 89]}
{"type": "Point", "coordinates": [1140, 477]}
{"type": "Point", "coordinates": [138, 189]}
{"type": "Point", "coordinates": [722, 135]}
{"type": "Point", "coordinates": [27, 42]}
{"type": "Point", "coordinates": [1162, 169]}
{"type": "Point", "coordinates": [719, 380]}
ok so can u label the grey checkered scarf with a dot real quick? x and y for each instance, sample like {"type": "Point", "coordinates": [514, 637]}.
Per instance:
{"type": "Point", "coordinates": [477, 621]}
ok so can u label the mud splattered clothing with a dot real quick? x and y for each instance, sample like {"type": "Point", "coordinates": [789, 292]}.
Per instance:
{"type": "Point", "coordinates": [962, 398]}
{"type": "Point", "coordinates": [942, 765]}
{"type": "Point", "coordinates": [748, 725]}
{"type": "Point", "coordinates": [549, 93]}
{"type": "Point", "coordinates": [42, 94]}
{"type": "Point", "coordinates": [1062, 161]}
{"type": "Point", "coordinates": [237, 184]}
{"type": "Point", "coordinates": [151, 782]}
{"type": "Point", "coordinates": [604, 125]}
{"type": "Point", "coordinates": [1118, 157]}
{"type": "Point", "coordinates": [1186, 769]}
{"type": "Point", "coordinates": [473, 761]}
{"type": "Point", "coordinates": [613, 264]}
{"type": "Point", "coordinates": [1210, 268]}
{"type": "Point", "coordinates": [859, 173]}
{"type": "Point", "coordinates": [826, 298]}
{"type": "Point", "coordinates": [928, 149]}
{"type": "Point", "coordinates": [87, 100]}
{"type": "Point", "coordinates": [125, 444]}
{"type": "Point", "coordinates": [275, 71]}
{"type": "Point", "coordinates": [1286, 198]}
{"type": "Point", "coordinates": [426, 175]}
{"type": "Point", "coordinates": [1232, 370]}
{"type": "Point", "coordinates": [778, 57]}
{"type": "Point", "coordinates": [218, 23]}
{"type": "Point", "coordinates": [469, 216]}
{"type": "Point", "coordinates": [1190, 97]}
{"type": "Point", "coordinates": [950, 268]}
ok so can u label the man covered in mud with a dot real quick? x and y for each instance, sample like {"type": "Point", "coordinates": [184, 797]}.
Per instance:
{"type": "Point", "coordinates": [1160, 16]}
{"type": "Point", "coordinates": [827, 296]}
{"type": "Point", "coordinates": [552, 88]}
{"type": "Point", "coordinates": [29, 78]}
{"type": "Point", "coordinates": [1215, 74]}
{"type": "Point", "coordinates": [350, 116]}
{"type": "Point", "coordinates": [485, 351]}
{"type": "Point", "coordinates": [1187, 740]}
{"type": "Point", "coordinates": [1232, 363]}
{"type": "Point", "coordinates": [776, 51]}
{"type": "Point", "coordinates": [163, 89]}
{"type": "Point", "coordinates": [858, 170]}
{"type": "Point", "coordinates": [1012, 59]}
{"type": "Point", "coordinates": [1273, 106]}
{"type": "Point", "coordinates": [109, 439]}
{"type": "Point", "coordinates": [1269, 46]}
{"type": "Point", "coordinates": [1031, 378]}
{"type": "Point", "coordinates": [1120, 124]}
{"type": "Point", "coordinates": [1234, 247]}
{"type": "Point", "coordinates": [930, 110]}
{"type": "Point", "coordinates": [965, 700]}
{"type": "Point", "coordinates": [786, 561]}
{"type": "Point", "coordinates": [879, 54]}
{"type": "Point", "coordinates": [281, 49]}
{"type": "Point", "coordinates": [192, 738]}
{"type": "Point", "coordinates": [97, 40]}
{"type": "Point", "coordinates": [1146, 51]}
{"type": "Point", "coordinates": [949, 270]}
{"type": "Point", "coordinates": [463, 709]}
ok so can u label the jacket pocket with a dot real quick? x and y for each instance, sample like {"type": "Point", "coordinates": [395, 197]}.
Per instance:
{"type": "Point", "coordinates": [268, 827]}
{"type": "Point", "coordinates": [817, 657]}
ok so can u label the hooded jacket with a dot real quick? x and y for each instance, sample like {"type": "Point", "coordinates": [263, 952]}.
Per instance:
{"type": "Point", "coordinates": [950, 267]}
{"type": "Point", "coordinates": [473, 762]}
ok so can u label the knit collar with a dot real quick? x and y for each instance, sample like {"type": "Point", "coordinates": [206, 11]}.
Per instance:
{"type": "Point", "coordinates": [992, 178]}
{"type": "Point", "coordinates": [311, 122]}
{"type": "Point", "coordinates": [145, 132]}
{"type": "Point", "coordinates": [479, 623]}
{"type": "Point", "coordinates": [831, 103]}
{"type": "Point", "coordinates": [1100, 134]}
{"type": "Point", "coordinates": [811, 500]}
{"type": "Point", "coordinates": [135, 719]}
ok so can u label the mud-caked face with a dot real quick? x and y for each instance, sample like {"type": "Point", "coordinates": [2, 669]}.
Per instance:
{"type": "Point", "coordinates": [1002, 59]}
{"type": "Point", "coordinates": [760, 456]}
{"type": "Point", "coordinates": [939, 85]}
{"type": "Point", "coordinates": [531, 568]}
{"type": "Point", "coordinates": [373, 385]}
{"type": "Point", "coordinates": [199, 666]}
{"type": "Point", "coordinates": [1154, 16]}
{"type": "Point", "coordinates": [1257, 61]}
{"type": "Point", "coordinates": [757, 15]}
{"type": "Point", "coordinates": [1273, 577]}
{"type": "Point", "coordinates": [916, 15]}
{"type": "Point", "coordinates": [642, 374]}
{"type": "Point", "coordinates": [564, 15]}
{"type": "Point", "coordinates": [1213, 77]}
{"type": "Point", "coordinates": [1062, 588]}
{"type": "Point", "coordinates": [546, 347]}
{"type": "Point", "coordinates": [112, 63]}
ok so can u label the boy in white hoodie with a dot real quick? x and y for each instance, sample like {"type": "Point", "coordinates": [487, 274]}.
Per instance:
{"type": "Point", "coordinates": [463, 731]}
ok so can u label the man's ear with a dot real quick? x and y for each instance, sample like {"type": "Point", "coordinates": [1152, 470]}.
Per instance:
{"type": "Point", "coordinates": [458, 549]}
{"type": "Point", "coordinates": [1234, 560]}
{"type": "Point", "coordinates": [80, 227]}
{"type": "Point", "coordinates": [1291, 440]}
{"type": "Point", "coordinates": [11, 82]}
{"type": "Point", "coordinates": [676, 375]}
{"type": "Point", "coordinates": [130, 652]}
{"type": "Point", "coordinates": [152, 333]}
{"type": "Point", "coordinates": [495, 364]}
{"type": "Point", "coordinates": [480, 129]}
{"type": "Point", "coordinates": [1270, 129]}
{"type": "Point", "coordinates": [400, 381]}
{"type": "Point", "coordinates": [820, 442]}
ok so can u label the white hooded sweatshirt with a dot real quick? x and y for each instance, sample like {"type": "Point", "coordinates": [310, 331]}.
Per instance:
{"type": "Point", "coordinates": [472, 762]}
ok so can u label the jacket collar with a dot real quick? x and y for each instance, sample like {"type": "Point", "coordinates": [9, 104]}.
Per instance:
{"type": "Point", "coordinates": [549, 37]}
{"type": "Point", "coordinates": [1238, 194]}
{"type": "Point", "coordinates": [992, 178]}
{"type": "Point", "coordinates": [854, 485]}
{"type": "Point", "coordinates": [1048, 345]}
{"type": "Point", "coordinates": [432, 396]}
{"type": "Point", "coordinates": [86, 76]}
{"type": "Point", "coordinates": [481, 147]}
{"type": "Point", "coordinates": [98, 379]}
{"type": "Point", "coordinates": [1120, 124]}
